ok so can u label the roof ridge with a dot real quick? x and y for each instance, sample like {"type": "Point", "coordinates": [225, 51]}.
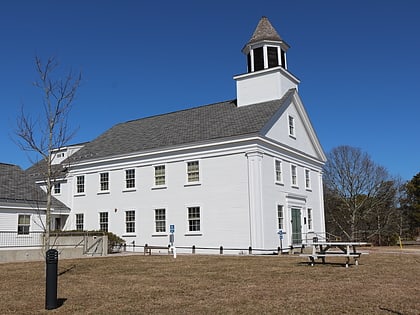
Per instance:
{"type": "Point", "coordinates": [177, 111]}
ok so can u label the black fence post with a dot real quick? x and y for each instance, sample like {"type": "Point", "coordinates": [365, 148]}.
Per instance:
{"type": "Point", "coordinates": [51, 260]}
{"type": "Point", "coordinates": [250, 250]}
{"type": "Point", "coordinates": [221, 250]}
{"type": "Point", "coordinates": [193, 249]}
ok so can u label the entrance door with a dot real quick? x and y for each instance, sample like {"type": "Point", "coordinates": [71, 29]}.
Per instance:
{"type": "Point", "coordinates": [296, 227]}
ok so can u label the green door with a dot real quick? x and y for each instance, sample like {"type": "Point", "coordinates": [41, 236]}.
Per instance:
{"type": "Point", "coordinates": [296, 227]}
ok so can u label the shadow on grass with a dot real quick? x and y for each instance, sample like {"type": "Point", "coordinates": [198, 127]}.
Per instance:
{"type": "Point", "coordinates": [333, 264]}
{"type": "Point", "coordinates": [66, 270]}
{"type": "Point", "coordinates": [60, 302]}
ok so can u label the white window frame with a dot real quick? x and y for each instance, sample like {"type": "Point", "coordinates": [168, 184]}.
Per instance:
{"type": "Point", "coordinates": [291, 126]}
{"type": "Point", "coordinates": [294, 175]}
{"type": "Point", "coordinates": [278, 171]}
{"type": "Point", "coordinates": [80, 185]}
{"type": "Point", "coordinates": [308, 179]}
{"type": "Point", "coordinates": [24, 224]}
{"type": "Point", "coordinates": [57, 188]}
{"type": "Point", "coordinates": [157, 177]}
{"type": "Point", "coordinates": [192, 228]}
{"type": "Point", "coordinates": [130, 221]}
{"type": "Point", "coordinates": [103, 224]}
{"type": "Point", "coordinates": [130, 179]}
{"type": "Point", "coordinates": [104, 182]}
{"type": "Point", "coordinates": [80, 221]}
{"type": "Point", "coordinates": [191, 178]}
{"type": "Point", "coordinates": [280, 217]}
{"type": "Point", "coordinates": [160, 220]}
{"type": "Point", "coordinates": [310, 219]}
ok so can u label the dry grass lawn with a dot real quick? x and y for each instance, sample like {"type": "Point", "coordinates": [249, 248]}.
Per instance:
{"type": "Point", "coordinates": [383, 283]}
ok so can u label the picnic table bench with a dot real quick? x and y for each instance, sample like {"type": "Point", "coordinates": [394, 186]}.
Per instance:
{"type": "Point", "coordinates": [148, 248]}
{"type": "Point", "coordinates": [321, 250]}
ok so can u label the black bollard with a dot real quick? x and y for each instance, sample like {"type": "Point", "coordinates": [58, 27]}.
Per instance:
{"type": "Point", "coordinates": [51, 260]}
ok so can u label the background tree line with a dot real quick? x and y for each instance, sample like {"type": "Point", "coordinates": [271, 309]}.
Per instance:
{"type": "Point", "coordinates": [363, 202]}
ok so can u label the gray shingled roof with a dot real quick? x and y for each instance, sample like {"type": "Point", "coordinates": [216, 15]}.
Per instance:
{"type": "Point", "coordinates": [265, 31]}
{"type": "Point", "coordinates": [17, 187]}
{"type": "Point", "coordinates": [209, 122]}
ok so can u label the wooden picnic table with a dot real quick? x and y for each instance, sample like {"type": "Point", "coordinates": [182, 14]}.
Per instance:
{"type": "Point", "coordinates": [321, 250]}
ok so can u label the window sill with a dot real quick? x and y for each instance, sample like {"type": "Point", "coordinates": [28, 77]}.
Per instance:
{"type": "Point", "coordinates": [104, 192]}
{"type": "Point", "coordinates": [279, 183]}
{"type": "Point", "coordinates": [198, 233]}
{"type": "Point", "coordinates": [295, 186]}
{"type": "Point", "coordinates": [129, 235]}
{"type": "Point", "coordinates": [129, 190]}
{"type": "Point", "coordinates": [160, 234]}
{"type": "Point", "coordinates": [192, 184]}
{"type": "Point", "coordinates": [308, 188]}
{"type": "Point", "coordinates": [79, 194]}
{"type": "Point", "coordinates": [159, 187]}
{"type": "Point", "coordinates": [292, 136]}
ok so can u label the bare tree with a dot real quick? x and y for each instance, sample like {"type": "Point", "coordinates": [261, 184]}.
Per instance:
{"type": "Point", "coordinates": [50, 131]}
{"type": "Point", "coordinates": [358, 194]}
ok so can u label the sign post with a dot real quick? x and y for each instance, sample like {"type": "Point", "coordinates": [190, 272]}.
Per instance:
{"type": "Point", "coordinates": [280, 233]}
{"type": "Point", "coordinates": [172, 238]}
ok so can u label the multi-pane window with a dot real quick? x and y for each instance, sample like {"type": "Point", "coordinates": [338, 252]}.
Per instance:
{"type": "Point", "coordinates": [130, 221]}
{"type": "Point", "coordinates": [103, 221]}
{"type": "Point", "coordinates": [79, 222]}
{"type": "Point", "coordinates": [309, 218]}
{"type": "Point", "coordinates": [57, 188]}
{"type": "Point", "coordinates": [294, 175]}
{"type": "Point", "coordinates": [80, 184]}
{"type": "Point", "coordinates": [160, 175]}
{"type": "Point", "coordinates": [193, 171]}
{"type": "Point", "coordinates": [160, 220]}
{"type": "Point", "coordinates": [194, 219]}
{"type": "Point", "coordinates": [24, 222]}
{"type": "Point", "coordinates": [130, 178]}
{"type": "Point", "coordinates": [291, 126]}
{"type": "Point", "coordinates": [280, 217]}
{"type": "Point", "coordinates": [104, 181]}
{"type": "Point", "coordinates": [279, 175]}
{"type": "Point", "coordinates": [307, 179]}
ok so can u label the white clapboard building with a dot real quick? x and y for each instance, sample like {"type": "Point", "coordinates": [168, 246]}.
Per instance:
{"type": "Point", "coordinates": [229, 174]}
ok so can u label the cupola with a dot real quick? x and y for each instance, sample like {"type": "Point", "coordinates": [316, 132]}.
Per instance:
{"type": "Point", "coordinates": [267, 77]}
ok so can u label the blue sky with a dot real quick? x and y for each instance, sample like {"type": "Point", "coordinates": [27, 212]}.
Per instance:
{"type": "Point", "coordinates": [358, 62]}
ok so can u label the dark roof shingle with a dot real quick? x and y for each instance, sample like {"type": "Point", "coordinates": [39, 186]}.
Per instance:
{"type": "Point", "coordinates": [209, 122]}
{"type": "Point", "coordinates": [17, 186]}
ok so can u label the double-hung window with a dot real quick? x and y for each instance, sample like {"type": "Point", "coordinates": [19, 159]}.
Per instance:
{"type": "Point", "coordinates": [79, 222]}
{"type": "Point", "coordinates": [193, 172]}
{"type": "Point", "coordinates": [194, 219]}
{"type": "Point", "coordinates": [24, 222]}
{"type": "Point", "coordinates": [307, 179]}
{"type": "Point", "coordinates": [80, 184]}
{"type": "Point", "coordinates": [104, 181]}
{"type": "Point", "coordinates": [278, 171]}
{"type": "Point", "coordinates": [103, 221]}
{"type": "Point", "coordinates": [292, 131]}
{"type": "Point", "coordinates": [310, 227]}
{"type": "Point", "coordinates": [160, 220]}
{"type": "Point", "coordinates": [130, 178]}
{"type": "Point", "coordinates": [160, 178]}
{"type": "Point", "coordinates": [294, 175]}
{"type": "Point", "coordinates": [130, 221]}
{"type": "Point", "coordinates": [57, 188]}
{"type": "Point", "coordinates": [280, 217]}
